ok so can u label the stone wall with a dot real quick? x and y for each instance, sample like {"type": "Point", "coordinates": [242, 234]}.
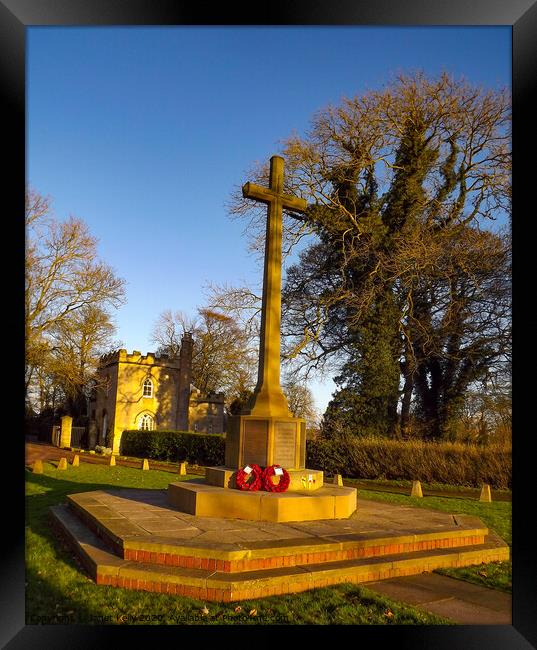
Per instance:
{"type": "Point", "coordinates": [206, 413]}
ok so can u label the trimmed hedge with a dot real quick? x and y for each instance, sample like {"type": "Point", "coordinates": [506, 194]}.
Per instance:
{"type": "Point", "coordinates": [196, 448]}
{"type": "Point", "coordinates": [431, 462]}
{"type": "Point", "coordinates": [353, 457]}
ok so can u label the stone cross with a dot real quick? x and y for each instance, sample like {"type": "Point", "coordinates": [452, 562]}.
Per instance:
{"type": "Point", "coordinates": [269, 399]}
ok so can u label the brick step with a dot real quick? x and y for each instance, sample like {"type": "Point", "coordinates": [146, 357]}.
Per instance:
{"type": "Point", "coordinates": [213, 585]}
{"type": "Point", "coordinates": [271, 555]}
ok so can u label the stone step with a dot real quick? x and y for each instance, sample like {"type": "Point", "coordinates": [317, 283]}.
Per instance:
{"type": "Point", "coordinates": [124, 539]}
{"type": "Point", "coordinates": [217, 585]}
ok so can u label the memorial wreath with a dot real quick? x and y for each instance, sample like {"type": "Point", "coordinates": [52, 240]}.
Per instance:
{"type": "Point", "coordinates": [283, 483]}
{"type": "Point", "coordinates": [249, 478]}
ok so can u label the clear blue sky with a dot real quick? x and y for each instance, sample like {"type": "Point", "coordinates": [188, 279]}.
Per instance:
{"type": "Point", "coordinates": [143, 132]}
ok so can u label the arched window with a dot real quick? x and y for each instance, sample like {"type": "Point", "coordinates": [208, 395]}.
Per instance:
{"type": "Point", "coordinates": [146, 422]}
{"type": "Point", "coordinates": [148, 388]}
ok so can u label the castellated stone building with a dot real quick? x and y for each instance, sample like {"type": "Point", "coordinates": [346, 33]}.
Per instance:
{"type": "Point", "coordinates": [151, 393]}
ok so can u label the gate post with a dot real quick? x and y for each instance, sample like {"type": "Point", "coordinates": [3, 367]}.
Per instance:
{"type": "Point", "coordinates": [65, 435]}
{"type": "Point", "coordinates": [56, 435]}
{"type": "Point", "coordinates": [92, 434]}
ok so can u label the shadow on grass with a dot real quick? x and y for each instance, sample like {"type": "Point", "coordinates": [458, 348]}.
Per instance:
{"type": "Point", "coordinates": [58, 488]}
{"type": "Point", "coordinates": [59, 589]}
{"type": "Point", "coordinates": [54, 490]}
{"type": "Point", "coordinates": [48, 605]}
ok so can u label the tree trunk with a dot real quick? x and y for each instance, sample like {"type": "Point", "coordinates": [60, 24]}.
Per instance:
{"type": "Point", "coordinates": [405, 405]}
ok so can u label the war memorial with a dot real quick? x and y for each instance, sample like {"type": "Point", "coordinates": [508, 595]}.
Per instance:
{"type": "Point", "coordinates": [264, 523]}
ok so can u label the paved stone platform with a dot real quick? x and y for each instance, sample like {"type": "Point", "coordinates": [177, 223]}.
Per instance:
{"type": "Point", "coordinates": [135, 539]}
{"type": "Point", "coordinates": [147, 513]}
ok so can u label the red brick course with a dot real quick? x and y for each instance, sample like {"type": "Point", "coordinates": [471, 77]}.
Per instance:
{"type": "Point", "coordinates": [279, 587]}
{"type": "Point", "coordinates": [297, 559]}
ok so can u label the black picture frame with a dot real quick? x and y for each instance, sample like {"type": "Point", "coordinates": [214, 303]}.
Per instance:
{"type": "Point", "coordinates": [521, 15]}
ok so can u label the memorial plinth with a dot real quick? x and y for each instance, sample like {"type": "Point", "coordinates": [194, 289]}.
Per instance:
{"type": "Point", "coordinates": [266, 433]}
{"type": "Point", "coordinates": [266, 441]}
{"type": "Point", "coordinates": [203, 500]}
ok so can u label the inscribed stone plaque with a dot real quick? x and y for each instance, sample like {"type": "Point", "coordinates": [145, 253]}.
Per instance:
{"type": "Point", "coordinates": [255, 442]}
{"type": "Point", "coordinates": [285, 443]}
{"type": "Point", "coordinates": [302, 457]}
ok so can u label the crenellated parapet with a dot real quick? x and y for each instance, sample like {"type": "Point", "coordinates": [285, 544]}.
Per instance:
{"type": "Point", "coordinates": [111, 357]}
{"type": "Point", "coordinates": [149, 359]}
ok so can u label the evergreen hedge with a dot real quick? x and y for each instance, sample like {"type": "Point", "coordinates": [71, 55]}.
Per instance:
{"type": "Point", "coordinates": [431, 462]}
{"type": "Point", "coordinates": [196, 448]}
{"type": "Point", "coordinates": [352, 456]}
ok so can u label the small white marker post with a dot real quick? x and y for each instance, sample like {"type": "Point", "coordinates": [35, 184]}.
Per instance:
{"type": "Point", "coordinates": [416, 489]}
{"type": "Point", "coordinates": [485, 495]}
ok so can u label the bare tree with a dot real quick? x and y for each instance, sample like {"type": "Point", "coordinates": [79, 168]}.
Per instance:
{"type": "Point", "coordinates": [300, 399]}
{"type": "Point", "coordinates": [65, 283]}
{"type": "Point", "coordinates": [169, 328]}
{"type": "Point", "coordinates": [242, 303]}
{"type": "Point", "coordinates": [223, 359]}
{"type": "Point", "coordinates": [77, 342]}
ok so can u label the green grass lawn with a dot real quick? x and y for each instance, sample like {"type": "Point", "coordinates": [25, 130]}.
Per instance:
{"type": "Point", "coordinates": [59, 591]}
{"type": "Point", "coordinates": [400, 485]}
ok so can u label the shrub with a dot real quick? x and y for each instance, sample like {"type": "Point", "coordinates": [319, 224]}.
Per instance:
{"type": "Point", "coordinates": [197, 448]}
{"type": "Point", "coordinates": [431, 462]}
{"type": "Point", "coordinates": [105, 451]}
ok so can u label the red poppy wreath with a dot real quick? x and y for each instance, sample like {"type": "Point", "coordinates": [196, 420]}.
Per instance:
{"type": "Point", "coordinates": [249, 480]}
{"type": "Point", "coordinates": [283, 483]}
